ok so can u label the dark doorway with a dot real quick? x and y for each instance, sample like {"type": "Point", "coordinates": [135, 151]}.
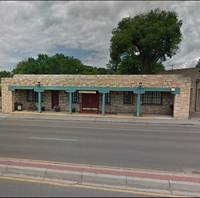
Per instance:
{"type": "Point", "coordinates": [54, 99]}
{"type": "Point", "coordinates": [90, 103]}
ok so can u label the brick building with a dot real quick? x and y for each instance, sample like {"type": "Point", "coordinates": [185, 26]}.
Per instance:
{"type": "Point", "coordinates": [105, 94]}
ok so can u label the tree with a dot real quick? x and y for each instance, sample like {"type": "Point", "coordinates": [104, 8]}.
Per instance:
{"type": "Point", "coordinates": [57, 64]}
{"type": "Point", "coordinates": [5, 74]}
{"type": "Point", "coordinates": [198, 64]}
{"type": "Point", "coordinates": [139, 44]}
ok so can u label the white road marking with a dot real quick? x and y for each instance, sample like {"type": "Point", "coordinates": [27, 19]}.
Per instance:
{"type": "Point", "coordinates": [55, 139]}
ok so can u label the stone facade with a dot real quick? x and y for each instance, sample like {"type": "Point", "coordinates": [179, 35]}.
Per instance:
{"type": "Point", "coordinates": [164, 109]}
{"type": "Point", "coordinates": [194, 74]}
{"type": "Point", "coordinates": [181, 102]}
{"type": "Point", "coordinates": [116, 106]}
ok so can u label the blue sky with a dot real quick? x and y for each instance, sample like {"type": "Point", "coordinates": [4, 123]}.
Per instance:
{"type": "Point", "coordinates": [83, 29]}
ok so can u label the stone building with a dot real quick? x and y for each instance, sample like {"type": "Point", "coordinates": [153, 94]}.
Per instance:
{"type": "Point", "coordinates": [136, 95]}
{"type": "Point", "coordinates": [194, 75]}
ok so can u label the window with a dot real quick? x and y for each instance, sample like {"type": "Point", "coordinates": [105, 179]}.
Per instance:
{"type": "Point", "coordinates": [75, 98]}
{"type": "Point", "coordinates": [108, 98]}
{"type": "Point", "coordinates": [128, 98]}
{"type": "Point", "coordinates": [152, 98]}
{"type": "Point", "coordinates": [32, 96]}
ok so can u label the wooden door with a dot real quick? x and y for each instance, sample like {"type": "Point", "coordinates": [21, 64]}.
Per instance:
{"type": "Point", "coordinates": [90, 103]}
{"type": "Point", "coordinates": [54, 98]}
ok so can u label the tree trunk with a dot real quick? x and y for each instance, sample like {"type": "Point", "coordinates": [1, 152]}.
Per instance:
{"type": "Point", "coordinates": [147, 66]}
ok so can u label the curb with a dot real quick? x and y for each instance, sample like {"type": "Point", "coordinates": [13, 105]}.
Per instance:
{"type": "Point", "coordinates": [164, 184]}
{"type": "Point", "coordinates": [101, 119]}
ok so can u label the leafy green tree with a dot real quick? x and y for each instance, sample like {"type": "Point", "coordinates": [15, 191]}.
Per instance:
{"type": "Point", "coordinates": [140, 44]}
{"type": "Point", "coordinates": [57, 64]}
{"type": "Point", "coordinates": [5, 74]}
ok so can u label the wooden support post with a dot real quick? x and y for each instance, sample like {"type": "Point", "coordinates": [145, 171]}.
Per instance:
{"type": "Point", "coordinates": [70, 102]}
{"type": "Point", "coordinates": [138, 105]}
{"type": "Point", "coordinates": [39, 102]}
{"type": "Point", "coordinates": [103, 105]}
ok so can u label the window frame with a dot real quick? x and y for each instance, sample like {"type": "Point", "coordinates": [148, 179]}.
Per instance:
{"type": "Point", "coordinates": [32, 96]}
{"type": "Point", "coordinates": [152, 98]}
{"type": "Point", "coordinates": [75, 98]}
{"type": "Point", "coordinates": [126, 94]}
{"type": "Point", "coordinates": [108, 98]}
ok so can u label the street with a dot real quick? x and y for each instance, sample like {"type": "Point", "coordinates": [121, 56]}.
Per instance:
{"type": "Point", "coordinates": [17, 188]}
{"type": "Point", "coordinates": [146, 146]}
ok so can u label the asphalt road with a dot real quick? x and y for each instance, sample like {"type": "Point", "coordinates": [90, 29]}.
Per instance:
{"type": "Point", "coordinates": [150, 146]}
{"type": "Point", "coordinates": [11, 188]}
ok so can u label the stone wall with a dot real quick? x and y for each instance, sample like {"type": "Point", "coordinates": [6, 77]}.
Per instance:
{"type": "Point", "coordinates": [164, 109]}
{"type": "Point", "coordinates": [7, 97]}
{"type": "Point", "coordinates": [20, 96]}
{"type": "Point", "coordinates": [46, 100]}
{"type": "Point", "coordinates": [0, 104]}
{"type": "Point", "coordinates": [181, 101]}
{"type": "Point", "coordinates": [194, 74]}
{"type": "Point", "coordinates": [116, 106]}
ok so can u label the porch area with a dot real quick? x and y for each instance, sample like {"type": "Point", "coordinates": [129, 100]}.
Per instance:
{"type": "Point", "coordinates": [83, 101]}
{"type": "Point", "coordinates": [88, 116]}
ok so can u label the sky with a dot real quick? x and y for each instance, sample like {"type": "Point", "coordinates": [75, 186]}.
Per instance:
{"type": "Point", "coordinates": [83, 29]}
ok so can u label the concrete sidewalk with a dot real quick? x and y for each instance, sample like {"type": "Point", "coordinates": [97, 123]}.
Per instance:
{"type": "Point", "coordinates": [99, 118]}
{"type": "Point", "coordinates": [168, 183]}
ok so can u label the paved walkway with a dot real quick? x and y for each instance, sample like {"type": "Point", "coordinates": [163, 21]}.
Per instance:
{"type": "Point", "coordinates": [96, 117]}
{"type": "Point", "coordinates": [153, 181]}
{"type": "Point", "coordinates": [150, 174]}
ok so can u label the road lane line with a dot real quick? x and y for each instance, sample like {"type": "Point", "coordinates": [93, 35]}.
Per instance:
{"type": "Point", "coordinates": [54, 139]}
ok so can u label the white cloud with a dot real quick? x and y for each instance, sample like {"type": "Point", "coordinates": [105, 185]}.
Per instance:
{"type": "Point", "coordinates": [29, 28]}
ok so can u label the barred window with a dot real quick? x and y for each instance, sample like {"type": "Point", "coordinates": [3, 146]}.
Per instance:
{"type": "Point", "coordinates": [152, 98]}
{"type": "Point", "coordinates": [32, 96]}
{"type": "Point", "coordinates": [108, 98]}
{"type": "Point", "coordinates": [128, 98]}
{"type": "Point", "coordinates": [75, 98]}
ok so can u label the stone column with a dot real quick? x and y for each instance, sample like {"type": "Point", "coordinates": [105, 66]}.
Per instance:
{"type": "Point", "coordinates": [7, 98]}
{"type": "Point", "coordinates": [181, 105]}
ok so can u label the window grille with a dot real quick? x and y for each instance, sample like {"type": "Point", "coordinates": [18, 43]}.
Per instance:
{"type": "Point", "coordinates": [128, 98]}
{"type": "Point", "coordinates": [152, 98]}
{"type": "Point", "coordinates": [75, 98]}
